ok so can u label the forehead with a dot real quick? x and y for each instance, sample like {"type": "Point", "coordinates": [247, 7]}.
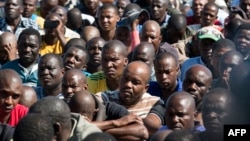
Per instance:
{"type": "Point", "coordinates": [150, 27]}
{"type": "Point", "coordinates": [200, 1]}
{"type": "Point", "coordinates": [197, 74]}
{"type": "Point", "coordinates": [136, 71]}
{"type": "Point", "coordinates": [216, 99]}
{"type": "Point", "coordinates": [243, 31]}
{"type": "Point", "coordinates": [29, 37]}
{"type": "Point", "coordinates": [244, 1]}
{"type": "Point", "coordinates": [98, 42]}
{"type": "Point", "coordinates": [179, 102]}
{"type": "Point", "coordinates": [11, 82]}
{"type": "Point", "coordinates": [72, 78]}
{"type": "Point", "coordinates": [109, 11]}
{"type": "Point", "coordinates": [60, 11]}
{"type": "Point", "coordinates": [112, 50]}
{"type": "Point", "coordinates": [166, 61]}
{"type": "Point", "coordinates": [13, 1]}
{"type": "Point", "coordinates": [50, 60]}
{"type": "Point", "coordinates": [30, 1]}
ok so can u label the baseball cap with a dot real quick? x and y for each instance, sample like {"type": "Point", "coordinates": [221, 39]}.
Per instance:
{"type": "Point", "coordinates": [210, 32]}
{"type": "Point", "coordinates": [131, 15]}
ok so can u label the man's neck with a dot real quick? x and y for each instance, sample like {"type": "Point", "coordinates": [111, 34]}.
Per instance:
{"type": "Point", "coordinates": [52, 91]}
{"type": "Point", "coordinates": [167, 92]}
{"type": "Point", "coordinates": [13, 22]}
{"type": "Point", "coordinates": [93, 68]}
{"type": "Point", "coordinates": [112, 84]}
{"type": "Point", "coordinates": [108, 35]}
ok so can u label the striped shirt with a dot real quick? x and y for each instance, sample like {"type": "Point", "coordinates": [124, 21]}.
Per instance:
{"type": "Point", "coordinates": [141, 108]}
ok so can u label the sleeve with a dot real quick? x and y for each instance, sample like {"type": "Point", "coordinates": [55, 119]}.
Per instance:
{"type": "Point", "coordinates": [115, 111]}
{"type": "Point", "coordinates": [135, 39]}
{"type": "Point", "coordinates": [6, 132]}
{"type": "Point", "coordinates": [159, 110]}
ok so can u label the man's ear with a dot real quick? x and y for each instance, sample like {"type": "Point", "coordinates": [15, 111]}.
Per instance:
{"type": "Point", "coordinates": [160, 38]}
{"type": "Point", "coordinates": [118, 18]}
{"type": "Point", "coordinates": [57, 128]}
{"type": "Point", "coordinates": [146, 87]}
{"type": "Point", "coordinates": [125, 61]}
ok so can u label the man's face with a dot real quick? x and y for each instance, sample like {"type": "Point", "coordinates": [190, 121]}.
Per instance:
{"type": "Point", "coordinates": [179, 115]}
{"type": "Point", "coordinates": [245, 5]}
{"type": "Point", "coordinates": [242, 42]}
{"type": "Point", "coordinates": [113, 62]}
{"type": "Point", "coordinates": [72, 84]}
{"type": "Point", "coordinates": [151, 35]}
{"type": "Point", "coordinates": [49, 72]}
{"type": "Point", "coordinates": [94, 51]}
{"type": "Point", "coordinates": [198, 6]}
{"type": "Point", "coordinates": [29, 8]}
{"type": "Point", "coordinates": [133, 85]}
{"type": "Point", "coordinates": [92, 5]}
{"type": "Point", "coordinates": [10, 92]}
{"type": "Point", "coordinates": [227, 63]}
{"type": "Point", "coordinates": [28, 49]}
{"type": "Point", "coordinates": [166, 72]}
{"type": "Point", "coordinates": [13, 9]}
{"type": "Point", "coordinates": [46, 6]}
{"type": "Point", "coordinates": [121, 5]}
{"type": "Point", "coordinates": [214, 111]}
{"type": "Point", "coordinates": [197, 83]}
{"type": "Point", "coordinates": [215, 60]}
{"type": "Point", "coordinates": [208, 16]}
{"type": "Point", "coordinates": [108, 19]}
{"type": "Point", "coordinates": [62, 14]}
{"type": "Point", "coordinates": [74, 58]}
{"type": "Point", "coordinates": [158, 10]}
{"type": "Point", "coordinates": [205, 47]}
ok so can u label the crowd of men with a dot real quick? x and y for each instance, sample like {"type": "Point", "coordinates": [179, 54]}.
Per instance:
{"type": "Point", "coordinates": [123, 70]}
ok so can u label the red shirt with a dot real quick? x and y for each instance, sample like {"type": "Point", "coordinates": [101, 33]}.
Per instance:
{"type": "Point", "coordinates": [16, 114]}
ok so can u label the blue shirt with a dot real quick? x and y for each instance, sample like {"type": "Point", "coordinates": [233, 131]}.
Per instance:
{"type": "Point", "coordinates": [155, 89]}
{"type": "Point", "coordinates": [40, 93]}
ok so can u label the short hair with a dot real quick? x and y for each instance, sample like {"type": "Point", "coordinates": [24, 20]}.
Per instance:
{"type": "Point", "coordinates": [177, 21]}
{"type": "Point", "coordinates": [164, 55]}
{"type": "Point", "coordinates": [93, 39]}
{"type": "Point", "coordinates": [34, 127]}
{"type": "Point", "coordinates": [116, 44]}
{"type": "Point", "coordinates": [243, 26]}
{"type": "Point", "coordinates": [54, 108]}
{"type": "Point", "coordinates": [74, 41]}
{"type": "Point", "coordinates": [100, 137]}
{"type": "Point", "coordinates": [82, 49]}
{"type": "Point", "coordinates": [108, 6]}
{"type": "Point", "coordinates": [231, 28]}
{"type": "Point", "coordinates": [211, 4]}
{"type": "Point", "coordinates": [53, 55]}
{"type": "Point", "coordinates": [31, 31]}
{"type": "Point", "coordinates": [223, 43]}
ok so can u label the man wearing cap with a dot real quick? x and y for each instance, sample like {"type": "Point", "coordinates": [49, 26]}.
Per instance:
{"type": "Point", "coordinates": [207, 37]}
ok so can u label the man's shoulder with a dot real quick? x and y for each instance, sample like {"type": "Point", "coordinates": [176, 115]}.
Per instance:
{"type": "Point", "coordinates": [11, 64]}
{"type": "Point", "coordinates": [81, 127]}
{"type": "Point", "coordinates": [97, 76]}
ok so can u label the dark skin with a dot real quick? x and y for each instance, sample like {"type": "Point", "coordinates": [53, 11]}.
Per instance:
{"type": "Point", "coordinates": [113, 63]}
{"type": "Point", "coordinates": [50, 75]}
{"type": "Point", "coordinates": [94, 48]}
{"type": "Point", "coordinates": [215, 111]}
{"type": "Point", "coordinates": [90, 32]}
{"type": "Point", "coordinates": [108, 19]}
{"type": "Point", "coordinates": [158, 10]}
{"type": "Point", "coordinates": [13, 18]}
{"type": "Point", "coordinates": [209, 15]}
{"type": "Point", "coordinates": [180, 111]}
{"type": "Point", "coordinates": [166, 71]}
{"type": "Point", "coordinates": [10, 93]}
{"type": "Point", "coordinates": [28, 96]}
{"type": "Point", "coordinates": [8, 47]}
{"type": "Point", "coordinates": [197, 7]}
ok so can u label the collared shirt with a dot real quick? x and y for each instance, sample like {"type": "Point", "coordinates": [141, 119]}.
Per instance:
{"type": "Point", "coordinates": [23, 24]}
{"type": "Point", "coordinates": [40, 93]}
{"type": "Point", "coordinates": [155, 89]}
{"type": "Point", "coordinates": [28, 75]}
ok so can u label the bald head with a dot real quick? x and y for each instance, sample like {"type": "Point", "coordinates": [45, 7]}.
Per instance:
{"type": "Point", "coordinates": [46, 6]}
{"type": "Point", "coordinates": [83, 102]}
{"type": "Point", "coordinates": [151, 33]}
{"type": "Point", "coordinates": [181, 97]}
{"type": "Point", "coordinates": [180, 102]}
{"type": "Point", "coordinates": [9, 76]}
{"type": "Point", "coordinates": [197, 82]}
{"type": "Point", "coordinates": [177, 21]}
{"type": "Point", "coordinates": [116, 45]}
{"type": "Point", "coordinates": [90, 32]}
{"type": "Point", "coordinates": [8, 41]}
{"type": "Point", "coordinates": [7, 38]}
{"type": "Point", "coordinates": [75, 73]}
{"type": "Point", "coordinates": [62, 12]}
{"type": "Point", "coordinates": [28, 96]}
{"type": "Point", "coordinates": [144, 52]}
{"type": "Point", "coordinates": [140, 68]}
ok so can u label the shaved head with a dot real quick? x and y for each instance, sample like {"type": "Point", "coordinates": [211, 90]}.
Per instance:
{"type": "Point", "coordinates": [90, 32]}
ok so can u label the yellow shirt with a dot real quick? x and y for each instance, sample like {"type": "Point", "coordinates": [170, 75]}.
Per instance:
{"type": "Point", "coordinates": [97, 82]}
{"type": "Point", "coordinates": [55, 48]}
